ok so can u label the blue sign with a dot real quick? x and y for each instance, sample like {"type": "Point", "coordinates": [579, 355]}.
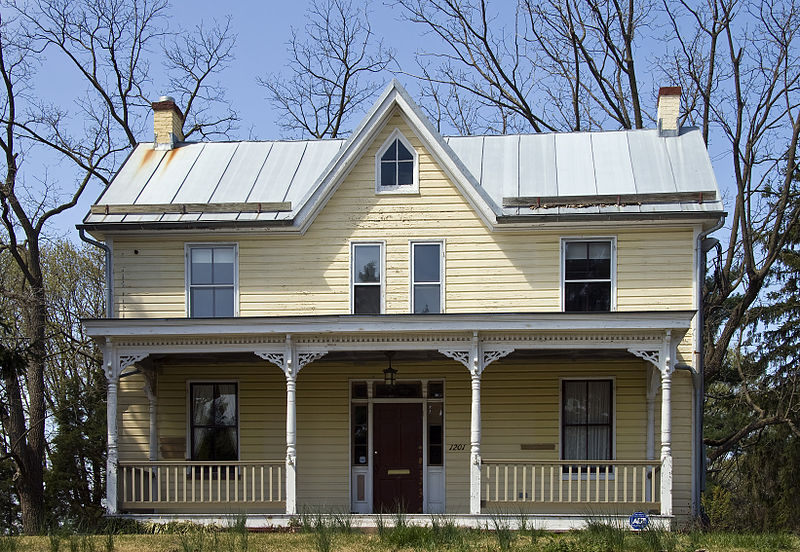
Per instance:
{"type": "Point", "coordinates": [639, 520]}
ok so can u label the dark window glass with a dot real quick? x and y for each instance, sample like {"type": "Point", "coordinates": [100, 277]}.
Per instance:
{"type": "Point", "coordinates": [586, 420]}
{"type": "Point", "coordinates": [435, 434]}
{"type": "Point", "coordinates": [214, 421]}
{"type": "Point", "coordinates": [412, 390]}
{"type": "Point", "coordinates": [587, 276]}
{"type": "Point", "coordinates": [367, 299]}
{"type": "Point", "coordinates": [427, 299]}
{"type": "Point", "coordinates": [435, 389]}
{"type": "Point", "coordinates": [359, 390]}
{"type": "Point", "coordinates": [360, 434]}
{"type": "Point", "coordinates": [397, 165]}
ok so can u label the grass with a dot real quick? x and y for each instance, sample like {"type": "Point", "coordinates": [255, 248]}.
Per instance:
{"type": "Point", "coordinates": [440, 533]}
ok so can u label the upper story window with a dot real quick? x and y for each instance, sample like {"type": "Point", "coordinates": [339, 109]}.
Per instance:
{"type": "Point", "coordinates": [396, 166]}
{"type": "Point", "coordinates": [211, 280]}
{"type": "Point", "coordinates": [426, 277]}
{"type": "Point", "coordinates": [588, 269]}
{"type": "Point", "coordinates": [367, 278]}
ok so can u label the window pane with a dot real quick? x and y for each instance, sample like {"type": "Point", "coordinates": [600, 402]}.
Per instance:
{"type": "Point", "coordinates": [403, 154]}
{"type": "Point", "coordinates": [367, 299]}
{"type": "Point", "coordinates": [367, 263]}
{"type": "Point", "coordinates": [202, 301]}
{"type": "Point", "coordinates": [599, 396]}
{"type": "Point", "coordinates": [426, 262]}
{"type": "Point", "coordinates": [388, 173]}
{"type": "Point", "coordinates": [201, 265]}
{"type": "Point", "coordinates": [398, 391]}
{"type": "Point", "coordinates": [599, 296]}
{"type": "Point", "coordinates": [574, 402]}
{"type": "Point", "coordinates": [359, 390]}
{"type": "Point", "coordinates": [435, 390]}
{"type": "Point", "coordinates": [575, 442]}
{"type": "Point", "coordinates": [405, 173]}
{"type": "Point", "coordinates": [225, 444]}
{"type": "Point", "coordinates": [600, 250]}
{"type": "Point", "coordinates": [203, 448]}
{"type": "Point", "coordinates": [427, 299]}
{"type": "Point", "coordinates": [225, 407]}
{"type": "Point", "coordinates": [223, 301]}
{"type": "Point", "coordinates": [435, 415]}
{"type": "Point", "coordinates": [599, 443]}
{"type": "Point", "coordinates": [391, 152]}
{"type": "Point", "coordinates": [223, 265]}
{"type": "Point", "coordinates": [575, 250]}
{"type": "Point", "coordinates": [577, 269]}
{"type": "Point", "coordinates": [202, 403]}
{"type": "Point", "coordinates": [597, 269]}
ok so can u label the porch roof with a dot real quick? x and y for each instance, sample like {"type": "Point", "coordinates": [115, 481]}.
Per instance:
{"type": "Point", "coordinates": [389, 327]}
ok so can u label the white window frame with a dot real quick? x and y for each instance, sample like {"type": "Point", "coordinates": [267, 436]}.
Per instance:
{"type": "Point", "coordinates": [412, 283]}
{"type": "Point", "coordinates": [412, 188]}
{"type": "Point", "coordinates": [563, 268]}
{"type": "Point", "coordinates": [382, 283]}
{"type": "Point", "coordinates": [189, 382]}
{"type": "Point", "coordinates": [187, 249]}
{"type": "Point", "coordinates": [561, 460]}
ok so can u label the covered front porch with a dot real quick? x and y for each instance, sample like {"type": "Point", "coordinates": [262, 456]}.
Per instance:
{"type": "Point", "coordinates": [488, 393]}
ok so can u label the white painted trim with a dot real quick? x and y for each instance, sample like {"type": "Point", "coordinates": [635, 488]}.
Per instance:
{"type": "Point", "coordinates": [562, 265]}
{"type": "Point", "coordinates": [272, 329]}
{"type": "Point", "coordinates": [413, 188]}
{"type": "Point", "coordinates": [613, 379]}
{"type": "Point", "coordinates": [187, 247]}
{"type": "Point", "coordinates": [382, 245]}
{"type": "Point", "coordinates": [442, 272]}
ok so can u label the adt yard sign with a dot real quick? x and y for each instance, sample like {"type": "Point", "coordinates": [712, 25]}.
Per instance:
{"type": "Point", "coordinates": [639, 520]}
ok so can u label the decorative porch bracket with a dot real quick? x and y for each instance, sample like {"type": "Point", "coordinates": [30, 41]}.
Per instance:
{"type": "Point", "coordinates": [113, 365]}
{"type": "Point", "coordinates": [476, 359]}
{"type": "Point", "coordinates": [663, 360]}
{"type": "Point", "coordinates": [290, 361]}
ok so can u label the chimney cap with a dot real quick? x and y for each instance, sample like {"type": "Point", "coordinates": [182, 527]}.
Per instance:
{"type": "Point", "coordinates": [669, 91]}
{"type": "Point", "coordinates": [166, 99]}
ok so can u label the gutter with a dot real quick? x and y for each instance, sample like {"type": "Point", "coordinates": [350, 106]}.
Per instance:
{"type": "Point", "coordinates": [703, 246]}
{"type": "Point", "coordinates": [109, 289]}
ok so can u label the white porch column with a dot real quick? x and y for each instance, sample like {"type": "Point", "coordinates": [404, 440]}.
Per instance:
{"type": "Point", "coordinates": [666, 425]}
{"type": "Point", "coordinates": [476, 359]}
{"type": "Point", "coordinates": [291, 427]}
{"type": "Point", "coordinates": [475, 369]}
{"type": "Point", "coordinates": [653, 381]}
{"type": "Point", "coordinates": [291, 363]}
{"type": "Point", "coordinates": [112, 453]}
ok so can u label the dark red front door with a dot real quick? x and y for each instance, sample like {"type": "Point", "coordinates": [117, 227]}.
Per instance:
{"type": "Point", "coordinates": [397, 458]}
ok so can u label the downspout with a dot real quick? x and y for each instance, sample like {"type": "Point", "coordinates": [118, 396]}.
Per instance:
{"type": "Point", "coordinates": [698, 379]}
{"type": "Point", "coordinates": [109, 271]}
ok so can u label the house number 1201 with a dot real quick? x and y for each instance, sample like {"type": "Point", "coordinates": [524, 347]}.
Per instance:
{"type": "Point", "coordinates": [458, 446]}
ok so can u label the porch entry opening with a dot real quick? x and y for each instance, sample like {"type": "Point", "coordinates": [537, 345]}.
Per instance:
{"type": "Point", "coordinates": [397, 442]}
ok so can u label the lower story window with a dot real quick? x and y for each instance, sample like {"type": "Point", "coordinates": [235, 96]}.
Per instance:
{"type": "Point", "coordinates": [586, 419]}
{"type": "Point", "coordinates": [214, 421]}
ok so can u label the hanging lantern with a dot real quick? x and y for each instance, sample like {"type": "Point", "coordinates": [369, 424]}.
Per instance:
{"type": "Point", "coordinates": [389, 373]}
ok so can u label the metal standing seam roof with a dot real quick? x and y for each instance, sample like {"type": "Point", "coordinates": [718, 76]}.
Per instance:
{"type": "Point", "coordinates": [509, 166]}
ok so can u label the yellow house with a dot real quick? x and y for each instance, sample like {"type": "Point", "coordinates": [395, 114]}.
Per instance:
{"type": "Point", "coordinates": [462, 325]}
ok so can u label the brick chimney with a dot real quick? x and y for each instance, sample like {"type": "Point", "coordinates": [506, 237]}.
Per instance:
{"type": "Point", "coordinates": [167, 123]}
{"type": "Point", "coordinates": [669, 107]}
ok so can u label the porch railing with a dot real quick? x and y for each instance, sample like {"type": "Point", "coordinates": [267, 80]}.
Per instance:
{"type": "Point", "coordinates": [154, 484]}
{"type": "Point", "coordinates": [576, 481]}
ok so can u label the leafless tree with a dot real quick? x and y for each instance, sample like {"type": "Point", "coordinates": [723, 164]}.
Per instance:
{"type": "Point", "coordinates": [580, 64]}
{"type": "Point", "coordinates": [108, 44]}
{"type": "Point", "coordinates": [332, 62]}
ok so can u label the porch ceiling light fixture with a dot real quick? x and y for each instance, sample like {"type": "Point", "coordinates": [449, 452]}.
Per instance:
{"type": "Point", "coordinates": [389, 373]}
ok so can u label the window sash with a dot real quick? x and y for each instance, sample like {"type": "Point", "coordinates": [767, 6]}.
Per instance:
{"type": "Point", "coordinates": [211, 281]}
{"type": "Point", "coordinates": [422, 282]}
{"type": "Point", "coordinates": [220, 429]}
{"type": "Point", "coordinates": [366, 296]}
{"type": "Point", "coordinates": [587, 431]}
{"type": "Point", "coordinates": [587, 279]}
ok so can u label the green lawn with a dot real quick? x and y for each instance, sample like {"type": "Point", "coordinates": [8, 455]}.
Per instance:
{"type": "Point", "coordinates": [443, 537]}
